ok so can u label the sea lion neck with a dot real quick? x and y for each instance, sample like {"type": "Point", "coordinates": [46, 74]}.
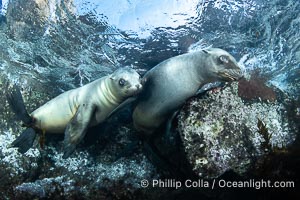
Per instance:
{"type": "Point", "coordinates": [106, 89]}
{"type": "Point", "coordinates": [202, 68]}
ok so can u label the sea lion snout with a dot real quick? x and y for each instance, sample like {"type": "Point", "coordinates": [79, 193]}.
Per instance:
{"type": "Point", "coordinates": [143, 80]}
{"type": "Point", "coordinates": [239, 75]}
{"type": "Point", "coordinates": [231, 74]}
{"type": "Point", "coordinates": [236, 74]}
{"type": "Point", "coordinates": [235, 71]}
{"type": "Point", "coordinates": [138, 86]}
{"type": "Point", "coordinates": [227, 67]}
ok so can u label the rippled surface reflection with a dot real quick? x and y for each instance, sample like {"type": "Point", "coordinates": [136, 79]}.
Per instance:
{"type": "Point", "coordinates": [260, 34]}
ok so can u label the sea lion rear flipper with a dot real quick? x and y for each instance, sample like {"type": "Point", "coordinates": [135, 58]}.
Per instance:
{"type": "Point", "coordinates": [15, 101]}
{"type": "Point", "coordinates": [76, 128]}
{"type": "Point", "coordinates": [25, 141]}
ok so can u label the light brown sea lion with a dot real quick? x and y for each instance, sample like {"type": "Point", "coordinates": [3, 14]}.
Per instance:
{"type": "Point", "coordinates": [72, 112]}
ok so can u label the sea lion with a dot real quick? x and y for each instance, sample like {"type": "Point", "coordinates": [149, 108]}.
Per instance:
{"type": "Point", "coordinates": [169, 84]}
{"type": "Point", "coordinates": [72, 112]}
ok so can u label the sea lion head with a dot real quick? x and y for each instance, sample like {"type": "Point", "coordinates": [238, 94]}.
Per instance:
{"type": "Point", "coordinates": [222, 65]}
{"type": "Point", "coordinates": [126, 81]}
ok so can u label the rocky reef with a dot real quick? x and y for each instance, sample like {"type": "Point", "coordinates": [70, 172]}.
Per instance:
{"type": "Point", "coordinates": [215, 134]}
{"type": "Point", "coordinates": [221, 132]}
{"type": "Point", "coordinates": [34, 175]}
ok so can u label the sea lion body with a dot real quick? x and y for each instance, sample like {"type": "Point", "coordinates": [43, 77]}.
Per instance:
{"type": "Point", "coordinates": [54, 116]}
{"type": "Point", "coordinates": [169, 84]}
{"type": "Point", "coordinates": [74, 111]}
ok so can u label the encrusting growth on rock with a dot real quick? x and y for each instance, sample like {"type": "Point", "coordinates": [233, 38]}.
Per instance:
{"type": "Point", "coordinates": [255, 88]}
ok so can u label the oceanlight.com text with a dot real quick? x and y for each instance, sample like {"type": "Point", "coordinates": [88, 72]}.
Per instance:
{"type": "Point", "coordinates": [217, 183]}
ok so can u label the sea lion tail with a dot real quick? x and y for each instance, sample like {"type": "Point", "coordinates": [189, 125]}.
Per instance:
{"type": "Point", "coordinates": [15, 101]}
{"type": "Point", "coordinates": [25, 141]}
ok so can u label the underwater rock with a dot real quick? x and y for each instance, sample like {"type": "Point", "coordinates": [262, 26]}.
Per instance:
{"type": "Point", "coordinates": [220, 132]}
{"type": "Point", "coordinates": [30, 19]}
{"type": "Point", "coordinates": [92, 171]}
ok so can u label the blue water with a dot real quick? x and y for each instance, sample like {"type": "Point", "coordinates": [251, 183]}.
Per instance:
{"type": "Point", "coordinates": [261, 35]}
{"type": "Point", "coordinates": [1, 7]}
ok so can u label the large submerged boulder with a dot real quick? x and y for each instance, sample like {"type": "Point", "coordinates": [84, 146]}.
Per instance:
{"type": "Point", "coordinates": [222, 132]}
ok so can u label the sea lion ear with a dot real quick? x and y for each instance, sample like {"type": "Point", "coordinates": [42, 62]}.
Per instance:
{"type": "Point", "coordinates": [205, 51]}
{"type": "Point", "coordinates": [111, 77]}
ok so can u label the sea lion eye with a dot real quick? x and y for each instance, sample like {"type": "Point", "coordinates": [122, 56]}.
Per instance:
{"type": "Point", "coordinates": [224, 59]}
{"type": "Point", "coordinates": [122, 82]}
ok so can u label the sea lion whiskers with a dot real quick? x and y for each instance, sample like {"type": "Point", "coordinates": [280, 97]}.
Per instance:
{"type": "Point", "coordinates": [227, 75]}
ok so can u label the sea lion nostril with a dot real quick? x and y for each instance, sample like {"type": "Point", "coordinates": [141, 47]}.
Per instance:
{"type": "Point", "coordinates": [143, 81]}
{"type": "Point", "coordinates": [238, 74]}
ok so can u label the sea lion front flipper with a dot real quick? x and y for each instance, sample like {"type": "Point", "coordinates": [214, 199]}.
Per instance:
{"type": "Point", "coordinates": [76, 128]}
{"type": "Point", "coordinates": [209, 86]}
{"type": "Point", "coordinates": [122, 105]}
